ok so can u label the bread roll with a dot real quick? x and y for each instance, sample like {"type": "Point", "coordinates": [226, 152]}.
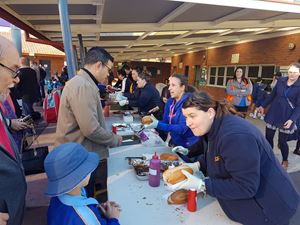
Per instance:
{"type": "Point", "coordinates": [168, 157]}
{"type": "Point", "coordinates": [174, 175]}
{"type": "Point", "coordinates": [146, 120]}
{"type": "Point", "coordinates": [178, 197]}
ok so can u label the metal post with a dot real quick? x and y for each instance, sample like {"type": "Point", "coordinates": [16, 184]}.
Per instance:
{"type": "Point", "coordinates": [16, 38]}
{"type": "Point", "coordinates": [67, 36]}
{"type": "Point", "coordinates": [76, 59]}
{"type": "Point", "coordinates": [81, 50]}
{"type": "Point", "coordinates": [85, 50]}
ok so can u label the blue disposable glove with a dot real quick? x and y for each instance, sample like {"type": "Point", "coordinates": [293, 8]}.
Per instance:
{"type": "Point", "coordinates": [152, 125]}
{"type": "Point", "coordinates": [123, 102]}
{"type": "Point", "coordinates": [181, 150]}
{"type": "Point", "coordinates": [120, 97]}
{"type": "Point", "coordinates": [192, 182]}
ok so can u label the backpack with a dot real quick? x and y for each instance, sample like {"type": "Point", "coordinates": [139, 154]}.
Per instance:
{"type": "Point", "coordinates": [51, 106]}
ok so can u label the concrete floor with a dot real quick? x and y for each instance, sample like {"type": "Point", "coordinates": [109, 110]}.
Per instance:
{"type": "Point", "coordinates": [37, 202]}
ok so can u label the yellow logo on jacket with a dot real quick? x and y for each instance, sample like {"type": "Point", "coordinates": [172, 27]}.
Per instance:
{"type": "Point", "coordinates": [217, 158]}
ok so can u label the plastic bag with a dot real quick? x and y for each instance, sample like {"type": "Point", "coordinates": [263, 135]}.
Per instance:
{"type": "Point", "coordinates": [150, 138]}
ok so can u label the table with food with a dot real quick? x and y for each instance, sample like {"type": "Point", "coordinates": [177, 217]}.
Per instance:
{"type": "Point", "coordinates": [142, 172]}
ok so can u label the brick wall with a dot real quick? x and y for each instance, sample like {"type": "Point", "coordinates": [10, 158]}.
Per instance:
{"type": "Point", "coordinates": [269, 51]}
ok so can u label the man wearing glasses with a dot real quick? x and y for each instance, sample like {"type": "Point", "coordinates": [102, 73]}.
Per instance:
{"type": "Point", "coordinates": [81, 120]}
{"type": "Point", "coordinates": [13, 183]}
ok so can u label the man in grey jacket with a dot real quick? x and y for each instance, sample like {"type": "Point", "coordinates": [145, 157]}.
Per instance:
{"type": "Point", "coordinates": [13, 183]}
{"type": "Point", "coordinates": [81, 120]}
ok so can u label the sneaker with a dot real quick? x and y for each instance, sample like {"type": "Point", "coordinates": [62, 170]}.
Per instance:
{"type": "Point", "coordinates": [262, 117]}
{"type": "Point", "coordinates": [296, 152]}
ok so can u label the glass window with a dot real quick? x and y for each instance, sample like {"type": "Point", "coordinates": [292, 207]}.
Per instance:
{"type": "Point", "coordinates": [253, 72]}
{"type": "Point", "coordinates": [267, 71]}
{"type": "Point", "coordinates": [221, 73]}
{"type": "Point", "coordinates": [212, 75]}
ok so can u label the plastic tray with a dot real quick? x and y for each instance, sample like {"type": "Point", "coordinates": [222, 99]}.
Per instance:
{"type": "Point", "coordinates": [130, 140]}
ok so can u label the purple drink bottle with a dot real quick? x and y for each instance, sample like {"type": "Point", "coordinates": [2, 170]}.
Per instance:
{"type": "Point", "coordinates": [154, 171]}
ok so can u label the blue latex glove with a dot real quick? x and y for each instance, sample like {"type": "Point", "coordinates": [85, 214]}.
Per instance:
{"type": "Point", "coordinates": [192, 182]}
{"type": "Point", "coordinates": [123, 102]}
{"type": "Point", "coordinates": [120, 97]}
{"type": "Point", "coordinates": [181, 150]}
{"type": "Point", "coordinates": [152, 125]}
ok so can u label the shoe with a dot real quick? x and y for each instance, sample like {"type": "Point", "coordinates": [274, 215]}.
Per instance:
{"type": "Point", "coordinates": [251, 115]}
{"type": "Point", "coordinates": [285, 164]}
{"type": "Point", "coordinates": [296, 152]}
{"type": "Point", "coordinates": [262, 117]}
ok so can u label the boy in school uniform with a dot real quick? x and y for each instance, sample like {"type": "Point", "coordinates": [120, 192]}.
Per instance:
{"type": "Point", "coordinates": [69, 167]}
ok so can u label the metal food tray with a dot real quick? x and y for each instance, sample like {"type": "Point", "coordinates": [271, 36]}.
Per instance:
{"type": "Point", "coordinates": [141, 167]}
{"type": "Point", "coordinates": [130, 140]}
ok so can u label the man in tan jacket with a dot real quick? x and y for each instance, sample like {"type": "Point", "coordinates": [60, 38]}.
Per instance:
{"type": "Point", "coordinates": [81, 120]}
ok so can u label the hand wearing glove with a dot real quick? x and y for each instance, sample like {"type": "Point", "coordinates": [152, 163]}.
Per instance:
{"type": "Point", "coordinates": [152, 125]}
{"type": "Point", "coordinates": [120, 97]}
{"type": "Point", "coordinates": [123, 102]}
{"type": "Point", "coordinates": [192, 182]}
{"type": "Point", "coordinates": [194, 166]}
{"type": "Point", "coordinates": [181, 150]}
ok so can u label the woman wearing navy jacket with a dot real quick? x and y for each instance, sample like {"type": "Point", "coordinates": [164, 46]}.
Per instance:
{"type": "Point", "coordinates": [173, 119]}
{"type": "Point", "coordinates": [242, 171]}
{"type": "Point", "coordinates": [284, 110]}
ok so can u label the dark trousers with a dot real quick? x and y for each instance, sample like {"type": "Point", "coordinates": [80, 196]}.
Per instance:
{"type": "Point", "coordinates": [97, 186]}
{"type": "Point", "coordinates": [27, 106]}
{"type": "Point", "coordinates": [282, 141]}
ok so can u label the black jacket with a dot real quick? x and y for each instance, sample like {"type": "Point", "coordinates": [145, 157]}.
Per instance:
{"type": "Point", "coordinates": [148, 99]}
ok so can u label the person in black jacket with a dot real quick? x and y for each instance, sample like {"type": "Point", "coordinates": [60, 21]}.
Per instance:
{"type": "Point", "coordinates": [13, 183]}
{"type": "Point", "coordinates": [27, 87]}
{"type": "Point", "coordinates": [149, 97]}
{"type": "Point", "coordinates": [242, 171]}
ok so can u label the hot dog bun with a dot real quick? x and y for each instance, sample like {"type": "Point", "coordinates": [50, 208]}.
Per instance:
{"type": "Point", "coordinates": [174, 175]}
{"type": "Point", "coordinates": [168, 157]}
{"type": "Point", "coordinates": [178, 197]}
{"type": "Point", "coordinates": [146, 120]}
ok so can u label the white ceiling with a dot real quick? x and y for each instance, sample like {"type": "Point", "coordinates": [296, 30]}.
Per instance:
{"type": "Point", "coordinates": [137, 29]}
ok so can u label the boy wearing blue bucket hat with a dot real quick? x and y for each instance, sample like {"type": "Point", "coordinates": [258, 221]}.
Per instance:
{"type": "Point", "coordinates": [68, 168]}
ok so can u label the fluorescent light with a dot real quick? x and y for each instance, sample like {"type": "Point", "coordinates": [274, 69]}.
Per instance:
{"type": "Point", "coordinates": [250, 4]}
{"type": "Point", "coordinates": [212, 31]}
{"type": "Point", "coordinates": [288, 28]}
{"type": "Point", "coordinates": [175, 32]}
{"type": "Point", "coordinates": [120, 34]}
{"type": "Point", "coordinates": [251, 29]}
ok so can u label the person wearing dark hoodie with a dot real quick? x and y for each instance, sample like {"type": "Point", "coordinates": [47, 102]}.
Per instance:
{"type": "Point", "coordinates": [173, 120]}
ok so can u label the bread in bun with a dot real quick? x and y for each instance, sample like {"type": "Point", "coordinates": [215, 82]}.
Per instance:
{"type": "Point", "coordinates": [178, 197]}
{"type": "Point", "coordinates": [147, 120]}
{"type": "Point", "coordinates": [168, 157]}
{"type": "Point", "coordinates": [174, 175]}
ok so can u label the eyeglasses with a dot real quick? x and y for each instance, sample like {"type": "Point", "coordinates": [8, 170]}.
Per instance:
{"type": "Point", "coordinates": [109, 69]}
{"type": "Point", "coordinates": [14, 73]}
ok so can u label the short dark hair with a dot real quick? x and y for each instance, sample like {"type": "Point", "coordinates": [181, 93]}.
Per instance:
{"type": "Point", "coordinates": [138, 69]}
{"type": "Point", "coordinates": [97, 54]}
{"type": "Point", "coordinates": [122, 72]}
{"type": "Point", "coordinates": [126, 67]}
{"type": "Point", "coordinates": [145, 76]}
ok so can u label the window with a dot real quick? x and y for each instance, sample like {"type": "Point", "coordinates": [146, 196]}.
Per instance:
{"type": "Point", "coordinates": [221, 73]}
{"type": "Point", "coordinates": [229, 73]}
{"type": "Point", "coordinates": [267, 72]}
{"type": "Point", "coordinates": [212, 75]}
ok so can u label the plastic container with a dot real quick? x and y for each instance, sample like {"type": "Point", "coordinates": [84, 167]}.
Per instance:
{"type": "Point", "coordinates": [154, 171]}
{"type": "Point", "coordinates": [106, 110]}
{"type": "Point", "coordinates": [127, 118]}
{"type": "Point", "coordinates": [192, 200]}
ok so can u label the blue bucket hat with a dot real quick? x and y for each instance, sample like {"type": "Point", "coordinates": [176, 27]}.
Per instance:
{"type": "Point", "coordinates": [66, 166]}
